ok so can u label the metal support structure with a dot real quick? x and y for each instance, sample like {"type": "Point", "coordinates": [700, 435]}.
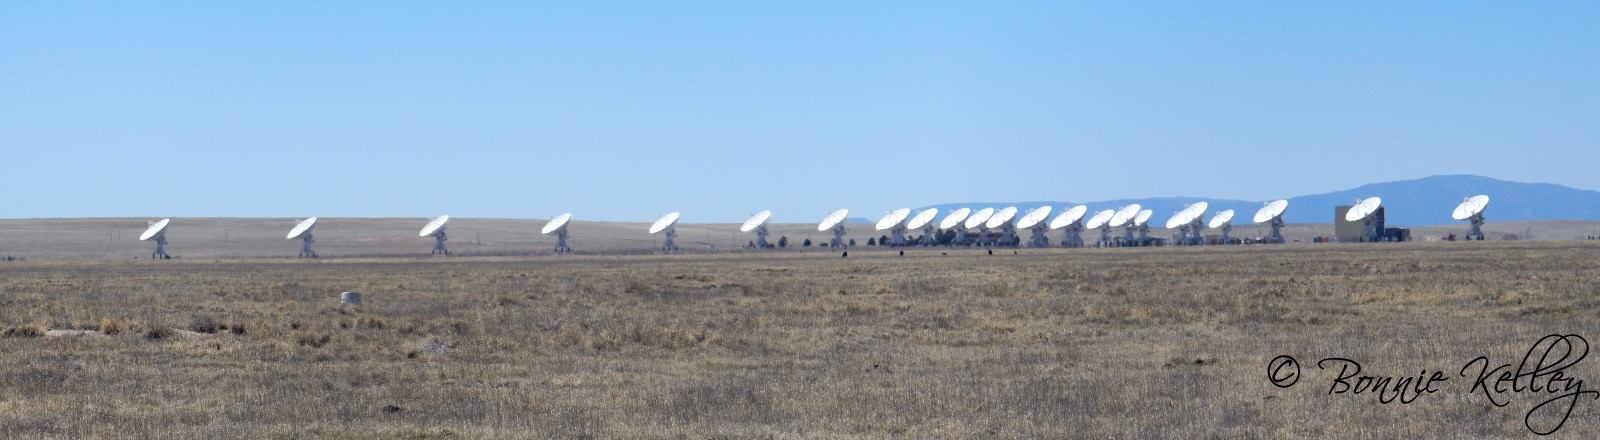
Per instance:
{"type": "Point", "coordinates": [1197, 228]}
{"type": "Point", "coordinates": [1072, 236]}
{"type": "Point", "coordinates": [761, 236]}
{"type": "Point", "coordinates": [1008, 235]}
{"type": "Point", "coordinates": [897, 235]}
{"type": "Point", "coordinates": [928, 232]}
{"type": "Point", "coordinates": [983, 235]}
{"type": "Point", "coordinates": [1275, 237]}
{"type": "Point", "coordinates": [305, 246]}
{"type": "Point", "coordinates": [1477, 227]}
{"type": "Point", "coordinates": [961, 235]}
{"type": "Point", "coordinates": [561, 240]}
{"type": "Point", "coordinates": [1226, 228]}
{"type": "Point", "coordinates": [838, 236]}
{"type": "Point", "coordinates": [161, 249]}
{"type": "Point", "coordinates": [670, 233]}
{"type": "Point", "coordinates": [1127, 235]}
{"type": "Point", "coordinates": [438, 244]}
{"type": "Point", "coordinates": [1037, 238]}
{"type": "Point", "coordinates": [1105, 236]}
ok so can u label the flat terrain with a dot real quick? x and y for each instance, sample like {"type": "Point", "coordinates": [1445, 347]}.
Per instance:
{"type": "Point", "coordinates": [1151, 343]}
{"type": "Point", "coordinates": [213, 238]}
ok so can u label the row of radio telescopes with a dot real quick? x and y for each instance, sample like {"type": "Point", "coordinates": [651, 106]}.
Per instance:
{"type": "Point", "coordinates": [987, 226]}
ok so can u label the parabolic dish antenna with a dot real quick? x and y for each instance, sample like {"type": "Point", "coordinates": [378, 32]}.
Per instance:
{"type": "Point", "coordinates": [302, 231]}
{"type": "Point", "coordinates": [1187, 215]}
{"type": "Point", "coordinates": [1001, 217]}
{"type": "Point", "coordinates": [1034, 220]}
{"type": "Point", "coordinates": [833, 219]}
{"type": "Point", "coordinates": [758, 222]}
{"type": "Point", "coordinates": [666, 221]}
{"type": "Point", "coordinates": [1472, 209]}
{"type": "Point", "coordinates": [435, 228]}
{"type": "Point", "coordinates": [755, 221]}
{"type": "Point", "coordinates": [667, 224]}
{"type": "Point", "coordinates": [893, 218]}
{"type": "Point", "coordinates": [835, 222]}
{"type": "Point", "coordinates": [1362, 209]}
{"type": "Point", "coordinates": [1470, 206]}
{"type": "Point", "coordinates": [1124, 215]}
{"type": "Point", "coordinates": [556, 223]}
{"type": "Point", "coordinates": [156, 229]}
{"type": "Point", "coordinates": [158, 232]}
{"type": "Point", "coordinates": [435, 225]}
{"type": "Point", "coordinates": [1100, 219]}
{"type": "Point", "coordinates": [978, 218]}
{"type": "Point", "coordinates": [1272, 209]}
{"type": "Point", "coordinates": [1033, 217]}
{"type": "Point", "coordinates": [301, 228]}
{"type": "Point", "coordinates": [922, 218]}
{"type": "Point", "coordinates": [1222, 217]}
{"type": "Point", "coordinates": [1143, 217]}
{"type": "Point", "coordinates": [955, 218]}
{"type": "Point", "coordinates": [1068, 217]}
{"type": "Point", "coordinates": [1272, 213]}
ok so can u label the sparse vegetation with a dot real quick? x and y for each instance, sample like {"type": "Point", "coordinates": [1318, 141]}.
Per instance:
{"type": "Point", "coordinates": [1154, 343]}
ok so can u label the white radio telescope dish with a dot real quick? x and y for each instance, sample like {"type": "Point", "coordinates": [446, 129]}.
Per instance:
{"type": "Point", "coordinates": [1001, 217]}
{"type": "Point", "coordinates": [1033, 217]}
{"type": "Point", "coordinates": [835, 222]}
{"type": "Point", "coordinates": [435, 229]}
{"type": "Point", "coordinates": [668, 226]}
{"type": "Point", "coordinates": [924, 221]}
{"type": "Point", "coordinates": [301, 227]}
{"type": "Point", "coordinates": [1271, 210]}
{"type": "Point", "coordinates": [1362, 209]}
{"type": "Point", "coordinates": [1124, 215]}
{"type": "Point", "coordinates": [758, 223]}
{"type": "Point", "coordinates": [979, 218]}
{"type": "Point", "coordinates": [923, 218]}
{"type": "Point", "coordinates": [1069, 219]}
{"type": "Point", "coordinates": [1068, 216]}
{"type": "Point", "coordinates": [1226, 216]}
{"type": "Point", "coordinates": [666, 221]}
{"type": "Point", "coordinates": [756, 220]}
{"type": "Point", "coordinates": [1034, 221]}
{"type": "Point", "coordinates": [1187, 215]}
{"type": "Point", "coordinates": [893, 218]}
{"type": "Point", "coordinates": [895, 222]}
{"type": "Point", "coordinates": [1100, 219]}
{"type": "Point", "coordinates": [157, 231]}
{"type": "Point", "coordinates": [1002, 220]}
{"type": "Point", "coordinates": [1471, 209]}
{"type": "Point", "coordinates": [1470, 206]}
{"type": "Point", "coordinates": [1272, 213]}
{"type": "Point", "coordinates": [1223, 221]}
{"type": "Point", "coordinates": [955, 218]}
{"type": "Point", "coordinates": [302, 231]}
{"type": "Point", "coordinates": [558, 225]}
{"type": "Point", "coordinates": [1143, 217]}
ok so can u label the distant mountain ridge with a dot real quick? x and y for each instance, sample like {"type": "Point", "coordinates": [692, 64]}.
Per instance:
{"type": "Point", "coordinates": [1418, 202]}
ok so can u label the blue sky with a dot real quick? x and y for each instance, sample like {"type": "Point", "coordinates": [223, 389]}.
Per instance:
{"type": "Point", "coordinates": [623, 111]}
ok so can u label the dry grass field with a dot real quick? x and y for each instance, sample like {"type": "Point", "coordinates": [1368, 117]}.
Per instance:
{"type": "Point", "coordinates": [1150, 343]}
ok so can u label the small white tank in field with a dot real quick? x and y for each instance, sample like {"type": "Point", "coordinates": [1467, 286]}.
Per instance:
{"type": "Point", "coordinates": [350, 298]}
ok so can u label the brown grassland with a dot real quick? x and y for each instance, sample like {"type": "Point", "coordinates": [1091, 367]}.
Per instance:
{"type": "Point", "coordinates": [1150, 343]}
